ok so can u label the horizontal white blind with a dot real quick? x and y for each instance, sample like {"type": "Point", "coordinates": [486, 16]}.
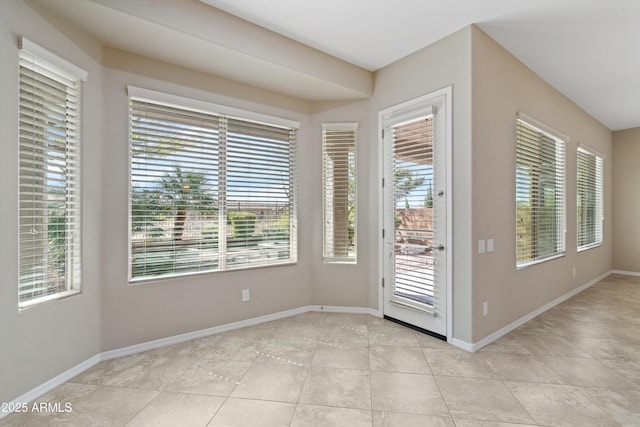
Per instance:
{"type": "Point", "coordinates": [260, 193]}
{"type": "Point", "coordinates": [339, 192]}
{"type": "Point", "coordinates": [413, 158]}
{"type": "Point", "coordinates": [174, 183]}
{"type": "Point", "coordinates": [208, 192]}
{"type": "Point", "coordinates": [540, 187]}
{"type": "Point", "coordinates": [589, 199]}
{"type": "Point", "coordinates": [49, 179]}
{"type": "Point", "coordinates": [413, 154]}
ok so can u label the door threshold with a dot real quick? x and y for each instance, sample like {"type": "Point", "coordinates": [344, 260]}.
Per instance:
{"type": "Point", "coordinates": [417, 328]}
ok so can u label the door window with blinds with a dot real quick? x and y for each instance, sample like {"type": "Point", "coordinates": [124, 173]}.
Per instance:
{"type": "Point", "coordinates": [540, 192]}
{"type": "Point", "coordinates": [589, 199]}
{"type": "Point", "coordinates": [49, 176]}
{"type": "Point", "coordinates": [413, 215]}
{"type": "Point", "coordinates": [210, 190]}
{"type": "Point", "coordinates": [339, 192]}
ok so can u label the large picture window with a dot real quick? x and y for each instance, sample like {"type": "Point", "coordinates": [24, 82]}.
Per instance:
{"type": "Point", "coordinates": [339, 191]}
{"type": "Point", "coordinates": [49, 176]}
{"type": "Point", "coordinates": [540, 193]}
{"type": "Point", "coordinates": [209, 190]}
{"type": "Point", "coordinates": [589, 199]}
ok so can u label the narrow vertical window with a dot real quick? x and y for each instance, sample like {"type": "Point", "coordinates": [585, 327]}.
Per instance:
{"type": "Point", "coordinates": [540, 193]}
{"type": "Point", "coordinates": [589, 199]}
{"type": "Point", "coordinates": [339, 192]}
{"type": "Point", "coordinates": [49, 176]}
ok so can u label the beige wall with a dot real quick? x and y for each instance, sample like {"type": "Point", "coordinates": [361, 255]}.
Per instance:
{"type": "Point", "coordinates": [444, 63]}
{"type": "Point", "coordinates": [39, 343]}
{"type": "Point", "coordinates": [163, 308]}
{"type": "Point", "coordinates": [342, 284]}
{"type": "Point", "coordinates": [503, 86]}
{"type": "Point", "coordinates": [626, 200]}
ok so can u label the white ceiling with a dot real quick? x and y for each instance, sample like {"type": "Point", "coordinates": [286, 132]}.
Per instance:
{"type": "Point", "coordinates": [587, 49]}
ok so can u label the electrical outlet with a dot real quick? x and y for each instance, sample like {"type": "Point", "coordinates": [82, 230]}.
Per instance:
{"type": "Point", "coordinates": [482, 248]}
{"type": "Point", "coordinates": [489, 245]}
{"type": "Point", "coordinates": [485, 308]}
{"type": "Point", "coordinates": [245, 295]}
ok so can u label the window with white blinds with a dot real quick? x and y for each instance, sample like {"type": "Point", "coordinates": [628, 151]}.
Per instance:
{"type": "Point", "coordinates": [209, 191]}
{"type": "Point", "coordinates": [540, 194]}
{"type": "Point", "coordinates": [49, 176]}
{"type": "Point", "coordinates": [589, 199]}
{"type": "Point", "coordinates": [339, 192]}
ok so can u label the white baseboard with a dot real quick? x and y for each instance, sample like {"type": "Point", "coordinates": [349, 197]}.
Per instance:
{"type": "Point", "coordinates": [524, 319]}
{"type": "Point", "coordinates": [625, 273]}
{"type": "Point", "coordinates": [53, 383]}
{"type": "Point", "coordinates": [176, 339]}
{"type": "Point", "coordinates": [463, 345]}
{"type": "Point", "coordinates": [150, 345]}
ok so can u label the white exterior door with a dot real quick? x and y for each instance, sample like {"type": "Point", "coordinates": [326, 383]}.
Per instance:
{"type": "Point", "coordinates": [415, 232]}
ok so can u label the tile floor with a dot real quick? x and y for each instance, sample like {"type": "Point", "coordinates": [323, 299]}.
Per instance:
{"type": "Point", "coordinates": [576, 365]}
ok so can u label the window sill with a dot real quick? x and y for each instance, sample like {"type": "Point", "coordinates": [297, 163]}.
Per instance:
{"type": "Point", "coordinates": [156, 279]}
{"type": "Point", "coordinates": [350, 261]}
{"type": "Point", "coordinates": [540, 261]}
{"type": "Point", "coordinates": [587, 247]}
{"type": "Point", "coordinates": [36, 302]}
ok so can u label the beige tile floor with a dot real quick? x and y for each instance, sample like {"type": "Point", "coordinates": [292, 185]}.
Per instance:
{"type": "Point", "coordinates": [576, 365]}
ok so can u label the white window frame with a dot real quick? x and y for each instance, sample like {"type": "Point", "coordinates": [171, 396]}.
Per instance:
{"type": "Point", "coordinates": [226, 115]}
{"type": "Point", "coordinates": [597, 181]}
{"type": "Point", "coordinates": [347, 138]}
{"type": "Point", "coordinates": [524, 155]}
{"type": "Point", "coordinates": [51, 158]}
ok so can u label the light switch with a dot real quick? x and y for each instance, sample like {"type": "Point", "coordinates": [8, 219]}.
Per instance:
{"type": "Point", "coordinates": [481, 247]}
{"type": "Point", "coordinates": [489, 245]}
